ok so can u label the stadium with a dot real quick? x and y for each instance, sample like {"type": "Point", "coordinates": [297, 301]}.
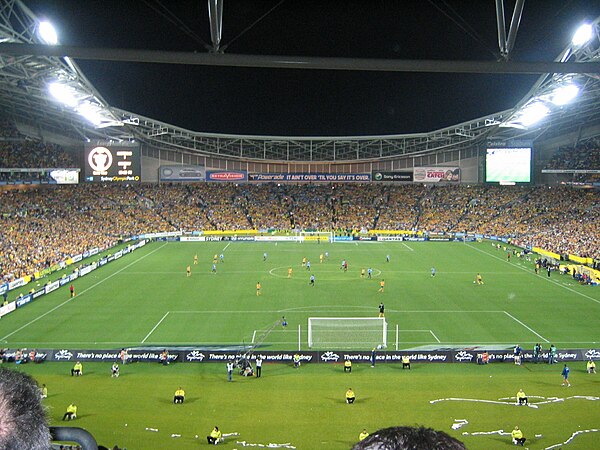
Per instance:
{"type": "Point", "coordinates": [436, 265]}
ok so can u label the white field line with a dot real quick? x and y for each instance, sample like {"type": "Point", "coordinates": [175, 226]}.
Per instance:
{"type": "Point", "coordinates": [253, 336]}
{"type": "Point", "coordinates": [529, 328]}
{"type": "Point", "coordinates": [433, 334]}
{"type": "Point", "coordinates": [155, 327]}
{"type": "Point", "coordinates": [545, 278]}
{"type": "Point", "coordinates": [80, 294]}
{"type": "Point", "coordinates": [411, 249]}
{"type": "Point", "coordinates": [226, 247]}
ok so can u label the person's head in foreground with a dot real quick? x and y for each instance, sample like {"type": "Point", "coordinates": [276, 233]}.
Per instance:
{"type": "Point", "coordinates": [409, 438]}
{"type": "Point", "coordinates": [23, 422]}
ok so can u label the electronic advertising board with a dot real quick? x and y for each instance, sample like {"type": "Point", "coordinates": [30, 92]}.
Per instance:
{"type": "Point", "coordinates": [508, 165]}
{"type": "Point", "coordinates": [113, 163]}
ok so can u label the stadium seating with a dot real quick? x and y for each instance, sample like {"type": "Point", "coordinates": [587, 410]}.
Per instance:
{"type": "Point", "coordinates": [45, 226]}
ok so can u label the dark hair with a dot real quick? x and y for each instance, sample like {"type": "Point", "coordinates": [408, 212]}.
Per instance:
{"type": "Point", "coordinates": [409, 438]}
{"type": "Point", "coordinates": [23, 421]}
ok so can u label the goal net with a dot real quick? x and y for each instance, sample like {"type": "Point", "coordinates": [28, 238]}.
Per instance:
{"type": "Point", "coordinates": [347, 332]}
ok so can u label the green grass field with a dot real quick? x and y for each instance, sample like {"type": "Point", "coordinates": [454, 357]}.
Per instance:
{"type": "Point", "coordinates": [145, 299]}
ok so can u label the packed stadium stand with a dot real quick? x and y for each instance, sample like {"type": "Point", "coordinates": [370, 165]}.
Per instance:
{"type": "Point", "coordinates": [43, 228]}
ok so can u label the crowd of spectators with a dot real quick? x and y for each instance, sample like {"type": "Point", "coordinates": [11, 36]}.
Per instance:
{"type": "Point", "coordinates": [25, 154]}
{"type": "Point", "coordinates": [583, 156]}
{"type": "Point", "coordinates": [44, 226]}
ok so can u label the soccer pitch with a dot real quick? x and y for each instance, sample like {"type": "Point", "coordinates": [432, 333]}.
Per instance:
{"type": "Point", "coordinates": [146, 299]}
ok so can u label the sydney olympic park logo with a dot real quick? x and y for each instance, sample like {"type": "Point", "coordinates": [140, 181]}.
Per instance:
{"type": "Point", "coordinates": [101, 160]}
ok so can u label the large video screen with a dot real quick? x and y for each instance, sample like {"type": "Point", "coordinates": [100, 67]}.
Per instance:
{"type": "Point", "coordinates": [508, 165]}
{"type": "Point", "coordinates": [112, 163]}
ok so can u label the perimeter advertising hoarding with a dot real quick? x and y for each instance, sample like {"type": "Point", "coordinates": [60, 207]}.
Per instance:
{"type": "Point", "coordinates": [203, 355]}
{"type": "Point", "coordinates": [231, 176]}
{"type": "Point", "coordinates": [310, 177]}
{"type": "Point", "coordinates": [182, 173]}
{"type": "Point", "coordinates": [436, 174]}
{"type": "Point", "coordinates": [112, 163]}
{"type": "Point", "coordinates": [392, 176]}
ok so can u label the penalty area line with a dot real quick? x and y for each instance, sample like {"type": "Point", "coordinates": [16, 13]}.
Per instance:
{"type": "Point", "coordinates": [436, 338]}
{"type": "Point", "coordinates": [155, 326]}
{"type": "Point", "coordinates": [81, 293]}
{"type": "Point", "coordinates": [529, 328]}
{"type": "Point", "coordinates": [411, 249]}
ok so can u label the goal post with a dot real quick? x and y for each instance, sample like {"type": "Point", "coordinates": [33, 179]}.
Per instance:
{"type": "Point", "coordinates": [347, 332]}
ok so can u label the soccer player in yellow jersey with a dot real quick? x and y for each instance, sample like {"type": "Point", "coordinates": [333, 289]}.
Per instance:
{"type": "Point", "coordinates": [289, 272]}
{"type": "Point", "coordinates": [188, 271]}
{"type": "Point", "coordinates": [304, 261]}
{"type": "Point", "coordinates": [215, 259]}
{"type": "Point", "coordinates": [195, 260]}
{"type": "Point", "coordinates": [479, 279]}
{"type": "Point", "coordinates": [362, 273]}
{"type": "Point", "coordinates": [381, 286]}
{"type": "Point", "coordinates": [321, 258]}
{"type": "Point", "coordinates": [258, 286]}
{"type": "Point", "coordinates": [363, 435]}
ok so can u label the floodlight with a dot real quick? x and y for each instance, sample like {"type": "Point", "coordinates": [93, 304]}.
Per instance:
{"type": "Point", "coordinates": [533, 113]}
{"type": "Point", "coordinates": [47, 33]}
{"type": "Point", "coordinates": [63, 94]}
{"type": "Point", "coordinates": [564, 94]}
{"type": "Point", "coordinates": [90, 112]}
{"type": "Point", "coordinates": [582, 35]}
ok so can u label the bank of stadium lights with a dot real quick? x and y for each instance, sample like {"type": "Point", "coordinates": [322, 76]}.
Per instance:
{"type": "Point", "coordinates": [533, 113]}
{"type": "Point", "coordinates": [47, 33]}
{"type": "Point", "coordinates": [63, 93]}
{"type": "Point", "coordinates": [564, 94]}
{"type": "Point", "coordinates": [583, 35]}
{"type": "Point", "coordinates": [91, 112]}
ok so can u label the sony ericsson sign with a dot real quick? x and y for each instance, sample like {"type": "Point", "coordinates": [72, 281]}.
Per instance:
{"type": "Point", "coordinates": [112, 163]}
{"type": "Point", "coordinates": [392, 176]}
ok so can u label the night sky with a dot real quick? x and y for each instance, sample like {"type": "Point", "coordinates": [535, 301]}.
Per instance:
{"type": "Point", "coordinates": [311, 102]}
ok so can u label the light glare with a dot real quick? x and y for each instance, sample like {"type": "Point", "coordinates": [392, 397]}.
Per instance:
{"type": "Point", "coordinates": [582, 35]}
{"type": "Point", "coordinates": [533, 113]}
{"type": "Point", "coordinates": [48, 33]}
{"type": "Point", "coordinates": [63, 94]}
{"type": "Point", "coordinates": [565, 94]}
{"type": "Point", "coordinates": [90, 112]}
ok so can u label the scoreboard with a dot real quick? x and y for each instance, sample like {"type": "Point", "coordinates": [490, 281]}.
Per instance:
{"type": "Point", "coordinates": [109, 163]}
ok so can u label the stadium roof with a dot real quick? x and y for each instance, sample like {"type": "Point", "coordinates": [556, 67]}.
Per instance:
{"type": "Point", "coordinates": [24, 80]}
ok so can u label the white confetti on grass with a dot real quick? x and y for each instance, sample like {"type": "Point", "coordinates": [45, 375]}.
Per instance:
{"type": "Point", "coordinates": [479, 433]}
{"type": "Point", "coordinates": [458, 423]}
{"type": "Point", "coordinates": [269, 445]}
{"type": "Point", "coordinates": [510, 401]}
{"type": "Point", "coordinates": [568, 441]}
